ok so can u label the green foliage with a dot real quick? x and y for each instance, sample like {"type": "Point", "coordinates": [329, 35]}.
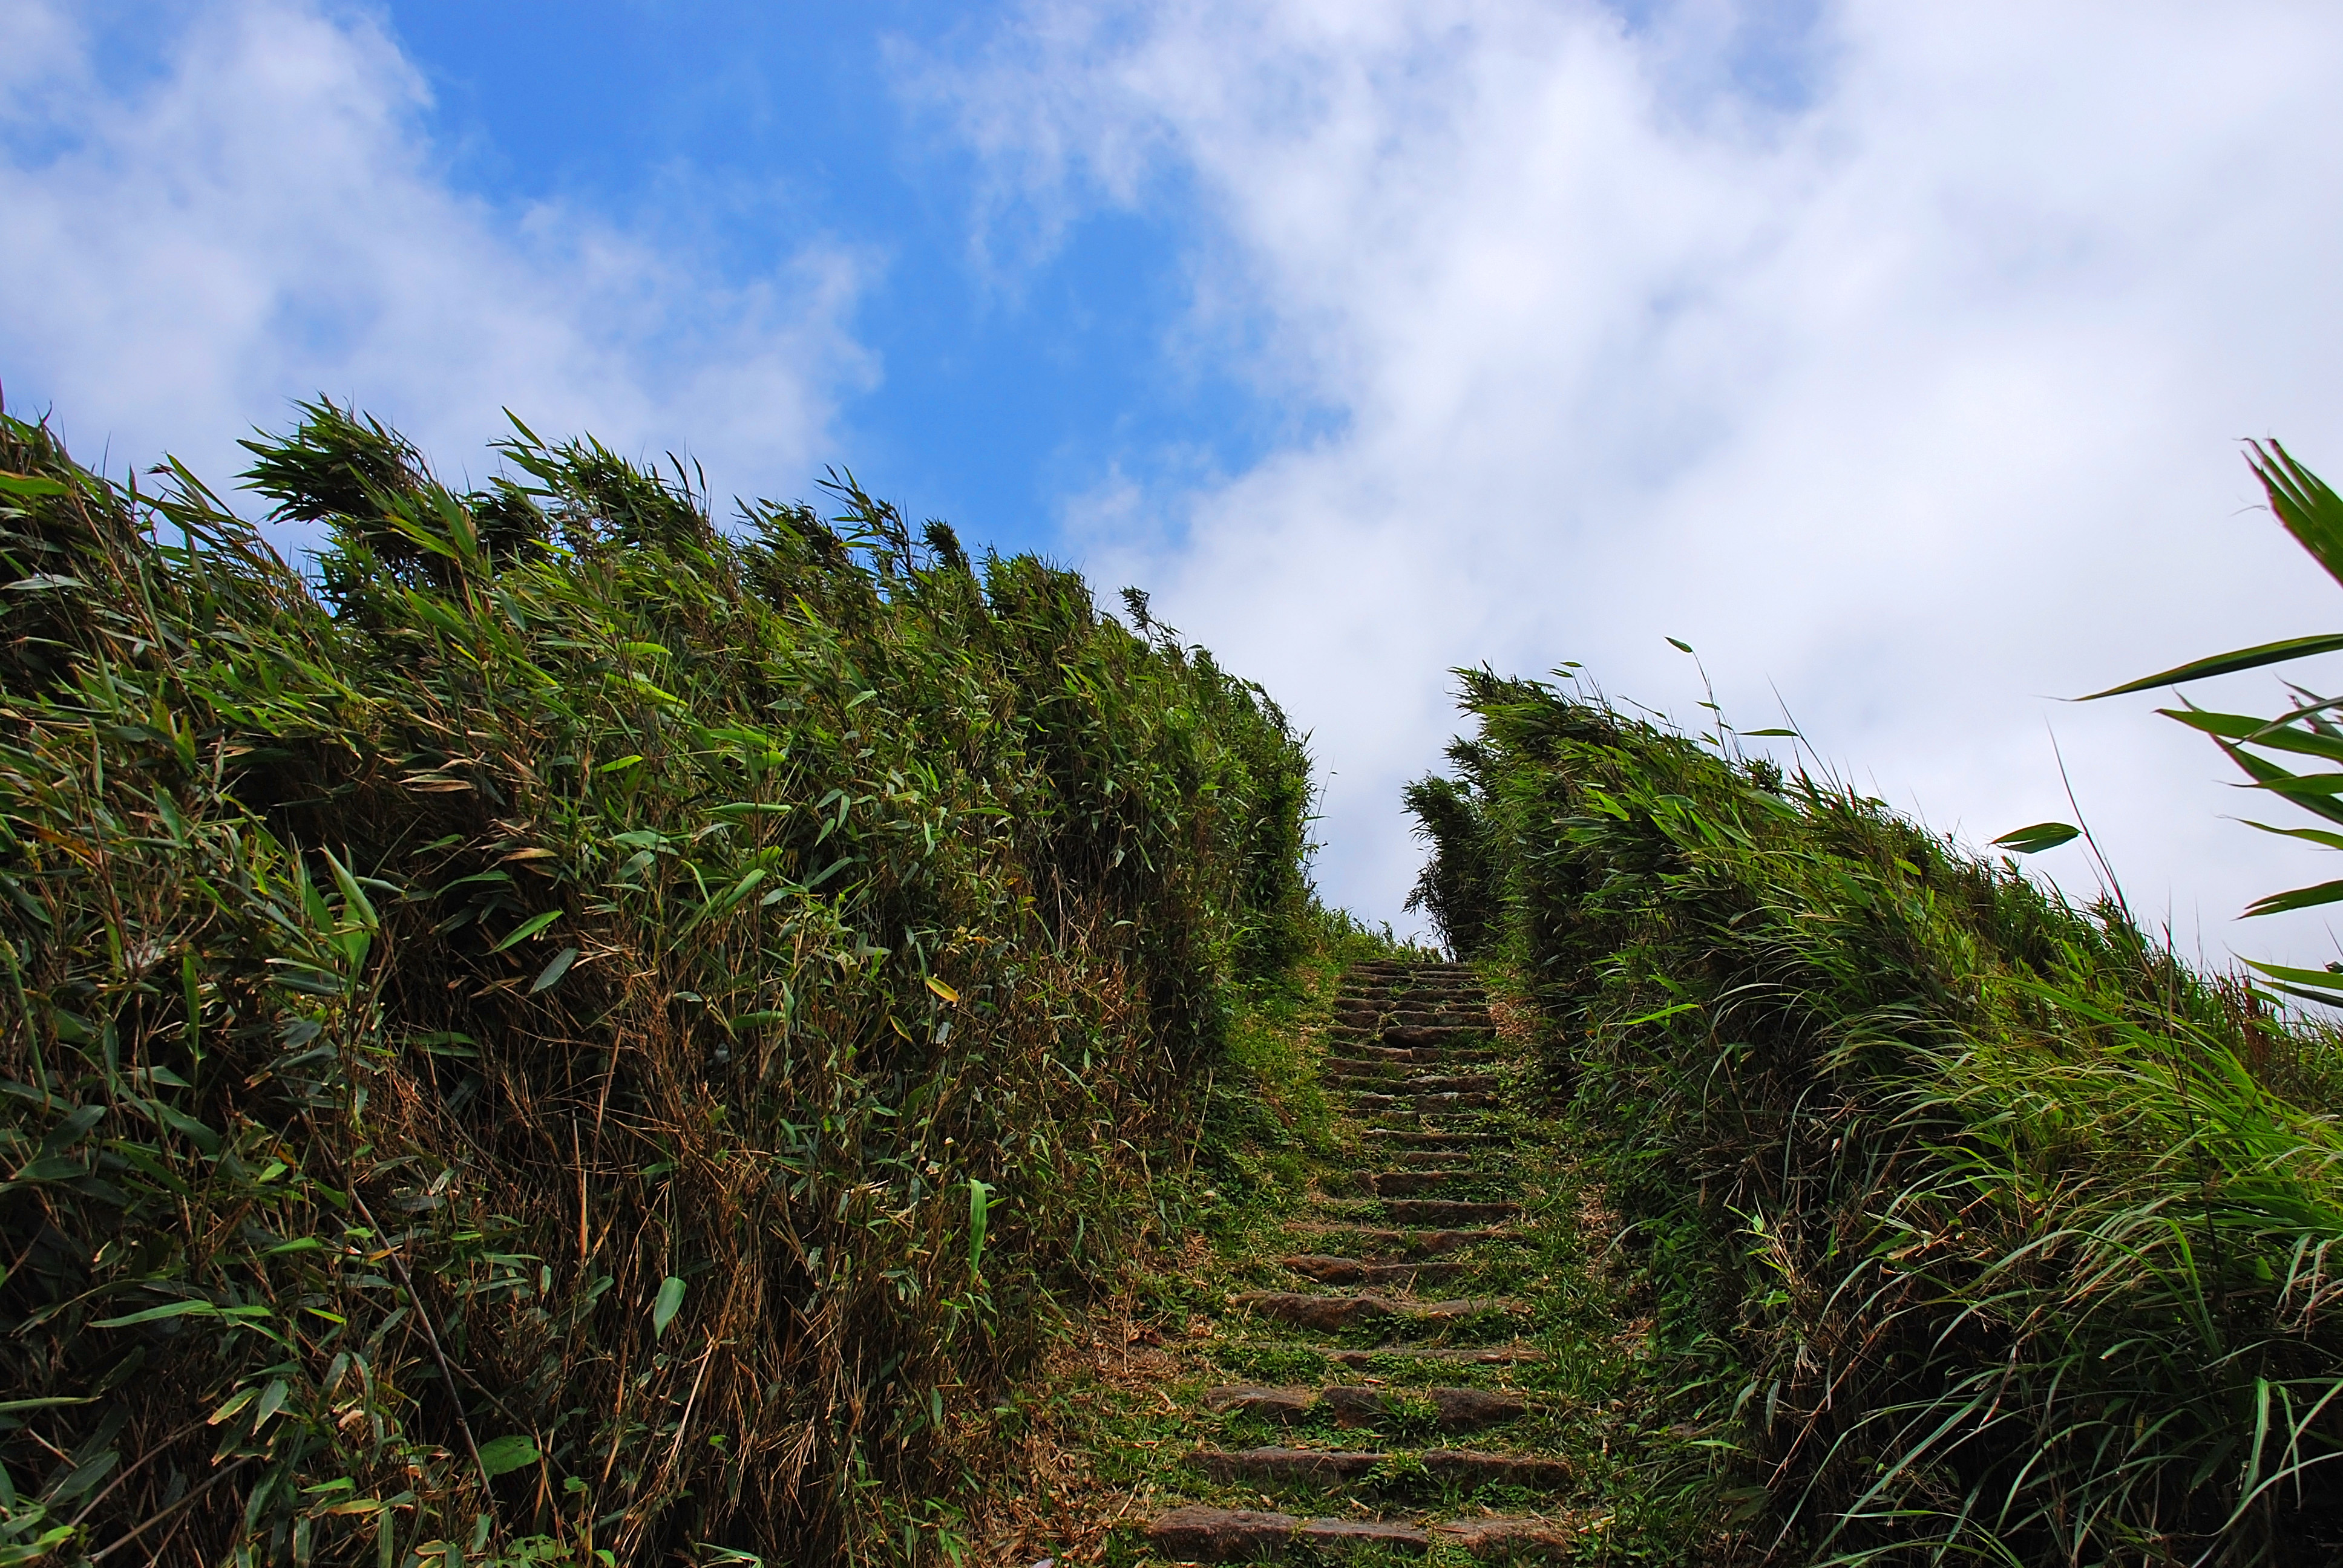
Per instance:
{"type": "Point", "coordinates": [2313, 514]}
{"type": "Point", "coordinates": [1459, 884]}
{"type": "Point", "coordinates": [2017, 1236]}
{"type": "Point", "coordinates": [519, 1055]}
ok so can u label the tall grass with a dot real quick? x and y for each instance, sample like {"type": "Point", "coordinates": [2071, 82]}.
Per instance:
{"type": "Point", "coordinates": [1997, 1232]}
{"type": "Point", "coordinates": [586, 1037]}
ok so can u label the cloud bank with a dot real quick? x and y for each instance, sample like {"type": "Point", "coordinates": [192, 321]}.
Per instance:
{"type": "Point", "coordinates": [261, 214]}
{"type": "Point", "coordinates": [1895, 359]}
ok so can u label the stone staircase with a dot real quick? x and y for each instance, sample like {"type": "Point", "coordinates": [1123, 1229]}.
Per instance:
{"type": "Point", "coordinates": [1380, 1289]}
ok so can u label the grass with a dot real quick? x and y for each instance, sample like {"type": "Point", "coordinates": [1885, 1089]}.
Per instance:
{"type": "Point", "coordinates": [571, 1035]}
{"type": "Point", "coordinates": [1123, 1410]}
{"type": "Point", "coordinates": [1977, 1226]}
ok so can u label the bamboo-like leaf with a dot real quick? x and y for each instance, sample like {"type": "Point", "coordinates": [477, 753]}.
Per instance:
{"type": "Point", "coordinates": [2041, 836]}
{"type": "Point", "coordinates": [2324, 980]}
{"type": "Point", "coordinates": [2309, 510]}
{"type": "Point", "coordinates": [550, 975]}
{"type": "Point", "coordinates": [980, 1210]}
{"type": "Point", "coordinates": [2319, 836]}
{"type": "Point", "coordinates": [2244, 658]}
{"type": "Point", "coordinates": [528, 929]}
{"type": "Point", "coordinates": [2246, 729]}
{"type": "Point", "coordinates": [2269, 775]}
{"type": "Point", "coordinates": [669, 1303]}
{"type": "Point", "coordinates": [2299, 899]}
{"type": "Point", "coordinates": [503, 1455]}
{"type": "Point", "coordinates": [189, 1309]}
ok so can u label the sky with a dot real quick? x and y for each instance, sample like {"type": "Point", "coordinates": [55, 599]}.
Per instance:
{"type": "Point", "coordinates": [1895, 358]}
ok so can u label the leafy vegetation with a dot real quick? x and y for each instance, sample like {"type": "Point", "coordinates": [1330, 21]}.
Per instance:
{"type": "Point", "coordinates": [1984, 1227]}
{"type": "Point", "coordinates": [580, 1036]}
{"type": "Point", "coordinates": [2313, 514]}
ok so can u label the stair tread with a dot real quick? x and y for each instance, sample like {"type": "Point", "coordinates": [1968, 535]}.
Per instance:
{"type": "Point", "coordinates": [1198, 1533]}
{"type": "Point", "coordinates": [1367, 1240]}
{"type": "Point", "coordinates": [1465, 1355]}
{"type": "Point", "coordinates": [1275, 1462]}
{"type": "Point", "coordinates": [1453, 1409]}
{"type": "Point", "coordinates": [1323, 1311]}
{"type": "Point", "coordinates": [1327, 1269]}
{"type": "Point", "coordinates": [1433, 1209]}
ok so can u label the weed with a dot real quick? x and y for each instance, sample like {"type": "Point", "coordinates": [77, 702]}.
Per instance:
{"type": "Point", "coordinates": [585, 1028]}
{"type": "Point", "coordinates": [1972, 1221]}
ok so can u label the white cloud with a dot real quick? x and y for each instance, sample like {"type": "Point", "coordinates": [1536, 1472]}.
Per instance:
{"type": "Point", "coordinates": [263, 217]}
{"type": "Point", "coordinates": [1916, 396]}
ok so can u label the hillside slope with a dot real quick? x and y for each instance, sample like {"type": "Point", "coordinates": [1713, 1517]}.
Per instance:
{"type": "Point", "coordinates": [574, 1034]}
{"type": "Point", "coordinates": [1984, 1227]}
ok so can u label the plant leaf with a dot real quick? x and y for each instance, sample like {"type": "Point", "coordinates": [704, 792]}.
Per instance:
{"type": "Point", "coordinates": [670, 1302]}
{"type": "Point", "coordinates": [2041, 836]}
{"type": "Point", "coordinates": [2299, 899]}
{"type": "Point", "coordinates": [2230, 663]}
{"type": "Point", "coordinates": [528, 929]}
{"type": "Point", "coordinates": [550, 975]}
{"type": "Point", "coordinates": [2323, 979]}
{"type": "Point", "coordinates": [501, 1456]}
{"type": "Point", "coordinates": [2247, 730]}
{"type": "Point", "coordinates": [2311, 512]}
{"type": "Point", "coordinates": [980, 1211]}
{"type": "Point", "coordinates": [2320, 835]}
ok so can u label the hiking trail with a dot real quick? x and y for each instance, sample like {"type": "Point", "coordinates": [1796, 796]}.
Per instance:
{"type": "Point", "coordinates": [1410, 1355]}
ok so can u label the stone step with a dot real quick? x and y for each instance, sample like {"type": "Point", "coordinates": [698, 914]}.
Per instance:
{"type": "Point", "coordinates": [1440, 1211]}
{"type": "Point", "coordinates": [1423, 1104]}
{"type": "Point", "coordinates": [1411, 1139]}
{"type": "Point", "coordinates": [1454, 1409]}
{"type": "Point", "coordinates": [1411, 1183]}
{"type": "Point", "coordinates": [1385, 1075]}
{"type": "Point", "coordinates": [1469, 1355]}
{"type": "Point", "coordinates": [1330, 1313]}
{"type": "Point", "coordinates": [1429, 1033]}
{"type": "Point", "coordinates": [1369, 1241]}
{"type": "Point", "coordinates": [1391, 1087]}
{"type": "Point", "coordinates": [1372, 1016]}
{"type": "Point", "coordinates": [1413, 997]}
{"type": "Point", "coordinates": [1421, 1084]}
{"type": "Point", "coordinates": [1444, 1159]}
{"type": "Point", "coordinates": [1329, 1270]}
{"type": "Point", "coordinates": [1361, 1052]}
{"type": "Point", "coordinates": [1200, 1535]}
{"type": "Point", "coordinates": [1451, 1008]}
{"type": "Point", "coordinates": [1367, 1015]}
{"type": "Point", "coordinates": [1419, 994]}
{"type": "Point", "coordinates": [1377, 988]}
{"type": "Point", "coordinates": [1340, 1466]}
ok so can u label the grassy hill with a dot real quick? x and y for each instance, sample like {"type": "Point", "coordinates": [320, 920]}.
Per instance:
{"type": "Point", "coordinates": [1982, 1228]}
{"type": "Point", "coordinates": [565, 1034]}
{"type": "Point", "coordinates": [568, 1034]}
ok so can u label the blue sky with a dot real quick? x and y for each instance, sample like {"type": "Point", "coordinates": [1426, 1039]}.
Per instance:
{"type": "Point", "coordinates": [1000, 386]}
{"type": "Point", "coordinates": [1896, 356]}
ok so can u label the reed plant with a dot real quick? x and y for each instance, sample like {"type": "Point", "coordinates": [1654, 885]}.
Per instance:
{"type": "Point", "coordinates": [567, 1033]}
{"type": "Point", "coordinates": [1990, 1230]}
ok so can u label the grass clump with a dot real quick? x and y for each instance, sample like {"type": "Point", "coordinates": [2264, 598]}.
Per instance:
{"type": "Point", "coordinates": [581, 1036]}
{"type": "Point", "coordinates": [1982, 1226]}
